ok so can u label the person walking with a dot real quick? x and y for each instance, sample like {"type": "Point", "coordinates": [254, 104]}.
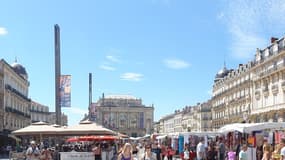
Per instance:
{"type": "Point", "coordinates": [266, 152]}
{"type": "Point", "coordinates": [141, 151]}
{"type": "Point", "coordinates": [201, 150]}
{"type": "Point", "coordinates": [45, 154]}
{"type": "Point", "coordinates": [282, 152]}
{"type": "Point", "coordinates": [186, 153]}
{"type": "Point", "coordinates": [222, 149]}
{"type": "Point", "coordinates": [33, 151]}
{"type": "Point", "coordinates": [97, 151]}
{"type": "Point", "coordinates": [242, 153]}
{"type": "Point", "coordinates": [212, 153]}
{"type": "Point", "coordinates": [149, 155]}
{"type": "Point", "coordinates": [157, 150]}
{"type": "Point", "coordinates": [126, 153]}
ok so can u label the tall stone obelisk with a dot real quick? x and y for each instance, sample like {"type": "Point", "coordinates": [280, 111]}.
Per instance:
{"type": "Point", "coordinates": [57, 73]}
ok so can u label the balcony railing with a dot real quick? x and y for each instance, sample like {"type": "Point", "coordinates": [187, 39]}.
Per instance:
{"type": "Point", "coordinates": [13, 110]}
{"type": "Point", "coordinates": [274, 88]}
{"type": "Point", "coordinates": [37, 111]}
{"type": "Point", "coordinates": [206, 118]}
{"type": "Point", "coordinates": [7, 86]}
{"type": "Point", "coordinates": [265, 89]}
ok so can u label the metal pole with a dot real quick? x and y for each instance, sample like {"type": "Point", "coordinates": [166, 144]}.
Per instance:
{"type": "Point", "coordinates": [90, 94]}
{"type": "Point", "coordinates": [57, 73]}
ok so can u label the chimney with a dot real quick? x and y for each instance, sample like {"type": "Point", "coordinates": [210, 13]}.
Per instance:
{"type": "Point", "coordinates": [273, 39]}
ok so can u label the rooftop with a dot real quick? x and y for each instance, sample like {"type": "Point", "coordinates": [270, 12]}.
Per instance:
{"type": "Point", "coordinates": [118, 96]}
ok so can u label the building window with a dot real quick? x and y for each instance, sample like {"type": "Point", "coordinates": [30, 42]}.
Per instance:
{"type": "Point", "coordinates": [275, 117]}
{"type": "Point", "coordinates": [265, 102]}
{"type": "Point", "coordinates": [274, 99]}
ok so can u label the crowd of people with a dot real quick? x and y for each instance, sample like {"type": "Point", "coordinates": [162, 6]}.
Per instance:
{"type": "Point", "coordinates": [156, 150]}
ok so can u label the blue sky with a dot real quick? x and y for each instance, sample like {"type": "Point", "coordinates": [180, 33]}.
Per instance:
{"type": "Point", "coordinates": [166, 52]}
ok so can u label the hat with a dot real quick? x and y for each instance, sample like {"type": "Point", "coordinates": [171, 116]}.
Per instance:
{"type": "Point", "coordinates": [33, 142]}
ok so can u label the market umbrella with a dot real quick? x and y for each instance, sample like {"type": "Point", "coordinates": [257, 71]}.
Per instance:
{"type": "Point", "coordinates": [38, 128]}
{"type": "Point", "coordinates": [86, 128]}
{"type": "Point", "coordinates": [120, 135]}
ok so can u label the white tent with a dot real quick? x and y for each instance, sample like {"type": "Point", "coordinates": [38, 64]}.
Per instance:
{"type": "Point", "coordinates": [136, 138]}
{"type": "Point", "coordinates": [86, 128]}
{"type": "Point", "coordinates": [39, 128]}
{"type": "Point", "coordinates": [161, 137]}
{"type": "Point", "coordinates": [201, 134]}
{"type": "Point", "coordinates": [250, 127]}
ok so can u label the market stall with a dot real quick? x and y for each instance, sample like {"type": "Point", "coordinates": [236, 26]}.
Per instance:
{"type": "Point", "coordinates": [251, 133]}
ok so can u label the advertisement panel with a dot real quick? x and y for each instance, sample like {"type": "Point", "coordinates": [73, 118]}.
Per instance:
{"type": "Point", "coordinates": [93, 112]}
{"type": "Point", "coordinates": [65, 90]}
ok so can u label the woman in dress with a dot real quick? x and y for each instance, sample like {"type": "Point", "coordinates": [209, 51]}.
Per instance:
{"type": "Point", "coordinates": [126, 153]}
{"type": "Point", "coordinates": [266, 152]}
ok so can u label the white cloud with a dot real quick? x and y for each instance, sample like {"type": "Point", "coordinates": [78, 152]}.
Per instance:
{"type": "Point", "coordinates": [251, 23]}
{"type": "Point", "coordinates": [112, 59]}
{"type": "Point", "coordinates": [176, 64]}
{"type": "Point", "coordinates": [3, 31]}
{"type": "Point", "coordinates": [132, 76]}
{"type": "Point", "coordinates": [107, 67]}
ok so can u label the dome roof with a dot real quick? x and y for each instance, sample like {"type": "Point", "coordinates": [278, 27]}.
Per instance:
{"type": "Point", "coordinates": [18, 68]}
{"type": "Point", "coordinates": [222, 73]}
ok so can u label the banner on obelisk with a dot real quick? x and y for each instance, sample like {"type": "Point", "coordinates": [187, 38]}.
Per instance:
{"type": "Point", "coordinates": [65, 90]}
{"type": "Point", "coordinates": [93, 112]}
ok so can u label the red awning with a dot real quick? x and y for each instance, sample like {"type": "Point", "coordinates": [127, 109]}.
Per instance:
{"type": "Point", "coordinates": [94, 138]}
{"type": "Point", "coordinates": [73, 139]}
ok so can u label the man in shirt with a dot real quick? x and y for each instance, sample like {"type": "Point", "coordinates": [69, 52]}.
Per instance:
{"type": "Point", "coordinates": [157, 150]}
{"type": "Point", "coordinates": [222, 149]}
{"type": "Point", "coordinates": [201, 151]}
{"type": "Point", "coordinates": [242, 153]}
{"type": "Point", "coordinates": [33, 152]}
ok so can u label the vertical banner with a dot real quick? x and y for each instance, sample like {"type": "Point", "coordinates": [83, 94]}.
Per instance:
{"type": "Point", "coordinates": [65, 90]}
{"type": "Point", "coordinates": [141, 123]}
{"type": "Point", "coordinates": [93, 112]}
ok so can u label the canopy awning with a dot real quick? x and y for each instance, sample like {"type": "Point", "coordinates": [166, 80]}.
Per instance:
{"type": "Point", "coordinates": [39, 128]}
{"type": "Point", "coordinates": [250, 127]}
{"type": "Point", "coordinates": [86, 128]}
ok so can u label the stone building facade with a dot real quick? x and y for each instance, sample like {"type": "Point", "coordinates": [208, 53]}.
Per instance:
{"type": "Point", "coordinates": [167, 124]}
{"type": "Point", "coordinates": [254, 92]}
{"type": "Point", "coordinates": [40, 112]}
{"type": "Point", "coordinates": [125, 114]}
{"type": "Point", "coordinates": [196, 118]}
{"type": "Point", "coordinates": [231, 100]}
{"type": "Point", "coordinates": [204, 117]}
{"type": "Point", "coordinates": [14, 100]}
{"type": "Point", "coordinates": [52, 119]}
{"type": "Point", "coordinates": [268, 83]}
